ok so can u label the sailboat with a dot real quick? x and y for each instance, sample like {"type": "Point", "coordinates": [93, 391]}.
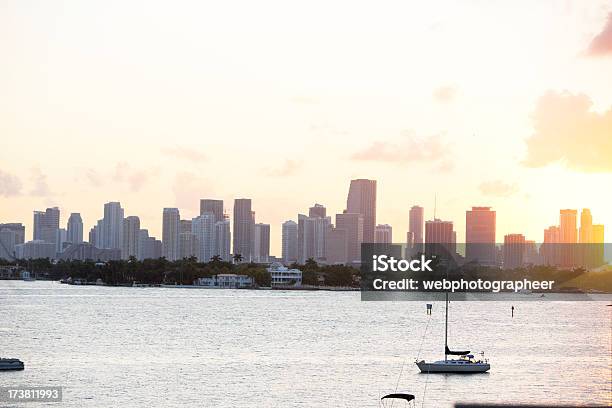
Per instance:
{"type": "Point", "coordinates": [466, 363]}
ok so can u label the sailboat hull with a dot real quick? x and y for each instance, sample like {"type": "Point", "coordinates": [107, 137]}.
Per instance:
{"type": "Point", "coordinates": [453, 366]}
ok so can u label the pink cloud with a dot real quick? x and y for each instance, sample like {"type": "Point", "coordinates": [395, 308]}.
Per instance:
{"type": "Point", "coordinates": [288, 168]}
{"type": "Point", "coordinates": [10, 185]}
{"type": "Point", "coordinates": [602, 43]}
{"type": "Point", "coordinates": [408, 150]}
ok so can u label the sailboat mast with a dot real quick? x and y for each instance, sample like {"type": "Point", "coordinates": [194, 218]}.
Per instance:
{"type": "Point", "coordinates": [446, 329]}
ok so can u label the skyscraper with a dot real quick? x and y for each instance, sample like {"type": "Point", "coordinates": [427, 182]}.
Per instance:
{"type": "Point", "coordinates": [514, 250]}
{"type": "Point", "coordinates": [188, 245]}
{"type": "Point", "coordinates": [550, 249]}
{"type": "Point", "coordinates": [243, 229]}
{"type": "Point", "coordinates": [362, 200]}
{"type": "Point", "coordinates": [46, 225]}
{"type": "Point", "coordinates": [112, 225]}
{"type": "Point", "coordinates": [480, 235]}
{"type": "Point", "coordinates": [203, 227]}
{"type": "Point", "coordinates": [131, 237]}
{"type": "Point", "coordinates": [567, 226]}
{"type": "Point", "coordinates": [317, 210]}
{"type": "Point", "coordinates": [223, 239]}
{"type": "Point", "coordinates": [336, 246]}
{"type": "Point", "coordinates": [586, 226]}
{"type": "Point", "coordinates": [212, 206]}
{"type": "Point", "coordinates": [18, 228]}
{"type": "Point", "coordinates": [312, 232]}
{"type": "Point", "coordinates": [290, 242]}
{"type": "Point", "coordinates": [75, 229]}
{"type": "Point", "coordinates": [170, 233]}
{"type": "Point", "coordinates": [261, 244]}
{"type": "Point", "coordinates": [184, 226]}
{"type": "Point", "coordinates": [439, 234]}
{"type": "Point", "coordinates": [384, 234]}
{"type": "Point", "coordinates": [353, 225]}
{"type": "Point", "coordinates": [416, 218]}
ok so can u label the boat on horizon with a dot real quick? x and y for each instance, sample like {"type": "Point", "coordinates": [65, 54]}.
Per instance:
{"type": "Point", "coordinates": [11, 364]}
{"type": "Point", "coordinates": [465, 364]}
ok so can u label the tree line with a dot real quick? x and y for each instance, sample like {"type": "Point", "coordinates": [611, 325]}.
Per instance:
{"type": "Point", "coordinates": [182, 272]}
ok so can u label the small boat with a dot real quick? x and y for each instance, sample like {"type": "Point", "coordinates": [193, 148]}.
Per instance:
{"type": "Point", "coordinates": [407, 398]}
{"type": "Point", "coordinates": [8, 364]}
{"type": "Point", "coordinates": [465, 364]}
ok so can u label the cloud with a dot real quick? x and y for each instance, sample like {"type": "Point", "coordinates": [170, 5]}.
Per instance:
{"type": "Point", "coordinates": [498, 188]}
{"type": "Point", "coordinates": [408, 150]}
{"type": "Point", "coordinates": [601, 44]}
{"type": "Point", "coordinates": [134, 178]}
{"type": "Point", "coordinates": [189, 188]}
{"type": "Point", "coordinates": [184, 153]}
{"type": "Point", "coordinates": [569, 132]}
{"type": "Point", "coordinates": [288, 168]}
{"type": "Point", "coordinates": [10, 185]}
{"type": "Point", "coordinates": [445, 94]}
{"type": "Point", "coordinates": [40, 187]}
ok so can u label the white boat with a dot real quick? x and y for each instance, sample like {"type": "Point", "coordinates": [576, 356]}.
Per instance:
{"type": "Point", "coordinates": [7, 364]}
{"type": "Point", "coordinates": [466, 363]}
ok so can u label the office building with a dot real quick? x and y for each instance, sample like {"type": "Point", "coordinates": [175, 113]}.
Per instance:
{"type": "Point", "coordinates": [131, 237]}
{"type": "Point", "coordinates": [362, 200]}
{"type": "Point", "coordinates": [75, 229]}
{"type": "Point", "coordinates": [212, 206]}
{"type": "Point", "coordinates": [352, 223]}
{"type": "Point", "coordinates": [289, 242]}
{"type": "Point", "coordinates": [480, 235]}
{"type": "Point", "coordinates": [243, 229]}
{"type": "Point", "coordinates": [170, 233]}
{"type": "Point", "coordinates": [383, 234]}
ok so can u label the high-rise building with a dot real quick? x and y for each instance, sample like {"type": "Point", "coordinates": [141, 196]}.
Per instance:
{"type": "Point", "coordinates": [312, 232]}
{"type": "Point", "coordinates": [336, 246]}
{"type": "Point", "coordinates": [243, 229]}
{"type": "Point", "coordinates": [18, 228]}
{"type": "Point", "coordinates": [203, 227]}
{"type": "Point", "coordinates": [440, 234]}
{"type": "Point", "coordinates": [353, 224]}
{"type": "Point", "coordinates": [99, 234]}
{"type": "Point", "coordinates": [384, 234]}
{"type": "Point", "coordinates": [480, 235]}
{"type": "Point", "coordinates": [212, 206]}
{"type": "Point", "coordinates": [223, 239]}
{"type": "Point", "coordinates": [290, 242]}
{"type": "Point", "coordinates": [11, 235]}
{"type": "Point", "coordinates": [362, 200]}
{"type": "Point", "coordinates": [75, 229]}
{"type": "Point", "coordinates": [416, 218]}
{"type": "Point", "coordinates": [112, 225]}
{"type": "Point", "coordinates": [514, 250]}
{"type": "Point", "coordinates": [8, 241]}
{"type": "Point", "coordinates": [261, 244]}
{"type": "Point", "coordinates": [317, 210]}
{"type": "Point", "coordinates": [550, 249]}
{"type": "Point", "coordinates": [46, 225]}
{"type": "Point", "coordinates": [170, 233]}
{"type": "Point", "coordinates": [60, 239]}
{"type": "Point", "coordinates": [148, 247]}
{"type": "Point", "coordinates": [586, 226]}
{"type": "Point", "coordinates": [567, 226]}
{"type": "Point", "coordinates": [131, 237]}
{"type": "Point", "coordinates": [188, 245]}
{"type": "Point", "coordinates": [184, 226]}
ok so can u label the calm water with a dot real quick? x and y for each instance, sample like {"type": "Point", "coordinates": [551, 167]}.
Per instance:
{"type": "Point", "coordinates": [222, 348]}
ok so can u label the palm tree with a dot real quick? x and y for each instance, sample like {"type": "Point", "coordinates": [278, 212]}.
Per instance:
{"type": "Point", "coordinates": [237, 258]}
{"type": "Point", "coordinates": [216, 259]}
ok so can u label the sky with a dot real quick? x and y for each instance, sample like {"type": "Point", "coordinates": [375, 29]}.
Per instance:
{"type": "Point", "coordinates": [159, 104]}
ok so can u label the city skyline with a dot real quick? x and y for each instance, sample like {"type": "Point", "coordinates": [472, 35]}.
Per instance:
{"type": "Point", "coordinates": [315, 235]}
